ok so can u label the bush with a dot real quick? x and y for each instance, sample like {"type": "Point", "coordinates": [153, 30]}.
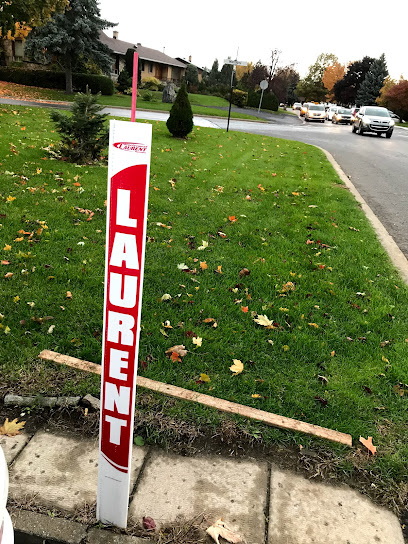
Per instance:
{"type": "Point", "coordinates": [84, 133]}
{"type": "Point", "coordinates": [239, 98]}
{"type": "Point", "coordinates": [124, 81]}
{"type": "Point", "coordinates": [147, 96]}
{"type": "Point", "coordinates": [151, 83]}
{"type": "Point", "coordinates": [269, 100]}
{"type": "Point", "coordinates": [180, 123]}
{"type": "Point", "coordinates": [56, 80]}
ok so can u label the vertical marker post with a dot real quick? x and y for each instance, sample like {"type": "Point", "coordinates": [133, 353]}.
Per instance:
{"type": "Point", "coordinates": [134, 85]}
{"type": "Point", "coordinates": [127, 200]}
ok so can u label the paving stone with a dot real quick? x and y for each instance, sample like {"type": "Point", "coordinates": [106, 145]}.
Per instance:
{"type": "Point", "coordinates": [30, 527]}
{"type": "Point", "coordinates": [98, 536]}
{"type": "Point", "coordinates": [12, 445]}
{"type": "Point", "coordinates": [61, 471]}
{"type": "Point", "coordinates": [305, 512]}
{"type": "Point", "coordinates": [175, 489]}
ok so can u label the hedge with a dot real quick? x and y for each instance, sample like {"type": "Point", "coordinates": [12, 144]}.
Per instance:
{"type": "Point", "coordinates": [56, 80]}
{"type": "Point", "coordinates": [269, 100]}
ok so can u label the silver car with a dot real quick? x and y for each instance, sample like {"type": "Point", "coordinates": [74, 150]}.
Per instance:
{"type": "Point", "coordinates": [373, 119]}
{"type": "Point", "coordinates": [315, 112]}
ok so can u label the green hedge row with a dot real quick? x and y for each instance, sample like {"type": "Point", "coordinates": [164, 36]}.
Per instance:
{"type": "Point", "coordinates": [56, 80]}
{"type": "Point", "coordinates": [269, 100]}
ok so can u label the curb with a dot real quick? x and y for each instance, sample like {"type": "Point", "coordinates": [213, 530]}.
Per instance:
{"type": "Point", "coordinates": [35, 528]}
{"type": "Point", "coordinates": [397, 257]}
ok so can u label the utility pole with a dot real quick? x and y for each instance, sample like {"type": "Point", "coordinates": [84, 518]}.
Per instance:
{"type": "Point", "coordinates": [234, 63]}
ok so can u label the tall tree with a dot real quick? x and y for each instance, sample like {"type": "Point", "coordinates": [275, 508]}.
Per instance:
{"type": "Point", "coordinates": [70, 34]}
{"type": "Point", "coordinates": [240, 71]}
{"type": "Point", "coordinates": [397, 98]}
{"type": "Point", "coordinates": [191, 77]}
{"type": "Point", "coordinates": [27, 12]}
{"type": "Point", "coordinates": [214, 75]}
{"type": "Point", "coordinates": [370, 89]}
{"type": "Point", "coordinates": [312, 87]}
{"type": "Point", "coordinates": [333, 73]}
{"type": "Point", "coordinates": [345, 90]}
{"type": "Point", "coordinates": [284, 84]}
{"type": "Point", "coordinates": [388, 84]}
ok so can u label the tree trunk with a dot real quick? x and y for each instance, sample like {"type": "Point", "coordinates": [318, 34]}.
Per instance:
{"type": "Point", "coordinates": [68, 75]}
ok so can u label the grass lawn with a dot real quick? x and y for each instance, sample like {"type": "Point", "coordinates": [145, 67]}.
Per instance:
{"type": "Point", "coordinates": [240, 226]}
{"type": "Point", "coordinates": [198, 102]}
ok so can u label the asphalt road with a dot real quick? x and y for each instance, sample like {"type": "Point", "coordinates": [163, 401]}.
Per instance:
{"type": "Point", "coordinates": [378, 167]}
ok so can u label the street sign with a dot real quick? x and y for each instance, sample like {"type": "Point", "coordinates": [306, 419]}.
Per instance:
{"type": "Point", "coordinates": [236, 62]}
{"type": "Point", "coordinates": [128, 186]}
{"type": "Point", "coordinates": [264, 84]}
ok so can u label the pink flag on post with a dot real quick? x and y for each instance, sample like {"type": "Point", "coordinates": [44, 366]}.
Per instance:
{"type": "Point", "coordinates": [134, 86]}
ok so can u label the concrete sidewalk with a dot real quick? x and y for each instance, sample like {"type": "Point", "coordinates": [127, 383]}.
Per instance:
{"type": "Point", "coordinates": [262, 503]}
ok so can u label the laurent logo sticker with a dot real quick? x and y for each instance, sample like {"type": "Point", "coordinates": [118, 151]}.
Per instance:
{"type": "Point", "coordinates": [129, 146]}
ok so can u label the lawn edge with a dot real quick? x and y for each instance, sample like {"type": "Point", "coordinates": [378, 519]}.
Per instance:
{"type": "Point", "coordinates": [387, 241]}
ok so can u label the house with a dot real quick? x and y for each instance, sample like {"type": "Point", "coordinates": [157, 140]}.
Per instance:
{"type": "Point", "coordinates": [201, 71]}
{"type": "Point", "coordinates": [153, 63]}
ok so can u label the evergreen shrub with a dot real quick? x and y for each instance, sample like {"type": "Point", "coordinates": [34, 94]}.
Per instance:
{"type": "Point", "coordinates": [269, 100]}
{"type": "Point", "coordinates": [239, 98]}
{"type": "Point", "coordinates": [180, 123]}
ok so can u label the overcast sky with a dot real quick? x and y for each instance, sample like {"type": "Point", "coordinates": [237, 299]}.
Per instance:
{"type": "Point", "coordinates": [216, 29]}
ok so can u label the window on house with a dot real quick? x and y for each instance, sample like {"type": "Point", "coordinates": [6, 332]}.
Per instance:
{"type": "Point", "coordinates": [142, 65]}
{"type": "Point", "coordinates": [150, 67]}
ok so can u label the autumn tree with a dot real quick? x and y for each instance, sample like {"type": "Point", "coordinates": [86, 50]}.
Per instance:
{"type": "Point", "coordinates": [388, 84]}
{"type": "Point", "coordinates": [370, 89]}
{"type": "Point", "coordinates": [312, 86]}
{"type": "Point", "coordinates": [70, 34]}
{"type": "Point", "coordinates": [333, 73]}
{"type": "Point", "coordinates": [284, 83]}
{"type": "Point", "coordinates": [27, 12]}
{"type": "Point", "coordinates": [397, 98]}
{"type": "Point", "coordinates": [241, 71]}
{"type": "Point", "coordinates": [345, 90]}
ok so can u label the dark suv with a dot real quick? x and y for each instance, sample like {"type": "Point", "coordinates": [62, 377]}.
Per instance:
{"type": "Point", "coordinates": [373, 119]}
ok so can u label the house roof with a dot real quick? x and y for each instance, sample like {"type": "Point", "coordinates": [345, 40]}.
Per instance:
{"type": "Point", "coordinates": [187, 62]}
{"type": "Point", "coordinates": [145, 53]}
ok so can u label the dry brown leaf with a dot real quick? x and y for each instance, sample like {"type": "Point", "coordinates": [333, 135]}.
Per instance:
{"type": "Point", "coordinates": [179, 349]}
{"type": "Point", "coordinates": [11, 428]}
{"type": "Point", "coordinates": [368, 443]}
{"type": "Point", "coordinates": [221, 529]}
{"type": "Point", "coordinates": [69, 294]}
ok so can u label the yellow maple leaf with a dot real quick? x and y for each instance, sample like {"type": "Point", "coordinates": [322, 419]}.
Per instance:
{"type": "Point", "coordinates": [263, 320]}
{"type": "Point", "coordinates": [205, 378]}
{"type": "Point", "coordinates": [203, 265]}
{"type": "Point", "coordinates": [16, 298]}
{"type": "Point", "coordinates": [6, 248]}
{"type": "Point", "coordinates": [315, 325]}
{"type": "Point", "coordinates": [11, 428]}
{"type": "Point", "coordinates": [197, 341]}
{"type": "Point", "coordinates": [285, 348]}
{"type": "Point", "coordinates": [237, 367]}
{"type": "Point", "coordinates": [256, 396]}
{"type": "Point", "coordinates": [10, 198]}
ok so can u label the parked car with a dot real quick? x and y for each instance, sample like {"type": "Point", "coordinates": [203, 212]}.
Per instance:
{"type": "Point", "coordinates": [6, 528]}
{"type": "Point", "coordinates": [331, 110]}
{"type": "Point", "coordinates": [296, 106]}
{"type": "Point", "coordinates": [373, 119]}
{"type": "Point", "coordinates": [342, 115]}
{"type": "Point", "coordinates": [354, 112]}
{"type": "Point", "coordinates": [303, 109]}
{"type": "Point", "coordinates": [315, 112]}
{"type": "Point", "coordinates": [394, 116]}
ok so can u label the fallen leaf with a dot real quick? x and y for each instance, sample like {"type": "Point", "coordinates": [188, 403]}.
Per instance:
{"type": "Point", "coordinates": [244, 309]}
{"type": "Point", "coordinates": [166, 296]}
{"type": "Point", "coordinates": [232, 218]}
{"type": "Point", "coordinates": [8, 275]}
{"type": "Point", "coordinates": [182, 266]}
{"type": "Point", "coordinates": [197, 341]}
{"type": "Point", "coordinates": [203, 246]}
{"type": "Point", "coordinates": [51, 329]}
{"type": "Point", "coordinates": [256, 396]}
{"type": "Point", "coordinates": [288, 286]}
{"type": "Point", "coordinates": [218, 271]}
{"type": "Point", "coordinates": [263, 320]}
{"type": "Point", "coordinates": [11, 428]}
{"type": "Point", "coordinates": [5, 262]}
{"type": "Point", "coordinates": [203, 265]}
{"type": "Point", "coordinates": [368, 443]}
{"type": "Point", "coordinates": [332, 354]}
{"type": "Point", "coordinates": [69, 295]}
{"type": "Point", "coordinates": [321, 400]}
{"type": "Point", "coordinates": [179, 349]}
{"type": "Point", "coordinates": [220, 529]}
{"type": "Point", "coordinates": [244, 272]}
{"type": "Point", "coordinates": [208, 320]}
{"type": "Point", "coordinates": [323, 379]}
{"type": "Point", "coordinates": [315, 325]}
{"type": "Point", "coordinates": [205, 378]}
{"type": "Point", "coordinates": [237, 367]}
{"type": "Point", "coordinates": [149, 524]}
{"type": "Point", "coordinates": [7, 247]}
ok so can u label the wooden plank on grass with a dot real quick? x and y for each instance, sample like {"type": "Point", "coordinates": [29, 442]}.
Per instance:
{"type": "Point", "coordinates": [219, 404]}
